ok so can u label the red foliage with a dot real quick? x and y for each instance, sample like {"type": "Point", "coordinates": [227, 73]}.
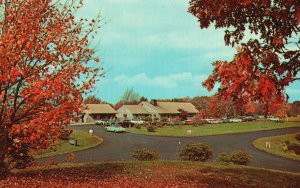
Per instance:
{"type": "Point", "coordinates": [43, 63]}
{"type": "Point", "coordinates": [262, 68]}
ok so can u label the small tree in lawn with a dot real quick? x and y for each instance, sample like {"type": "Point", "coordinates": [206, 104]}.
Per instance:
{"type": "Point", "coordinates": [264, 65]}
{"type": "Point", "coordinates": [44, 70]}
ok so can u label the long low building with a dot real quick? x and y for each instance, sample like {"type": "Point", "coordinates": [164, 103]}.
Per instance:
{"type": "Point", "coordinates": [94, 112]}
{"type": "Point", "coordinates": [156, 110]}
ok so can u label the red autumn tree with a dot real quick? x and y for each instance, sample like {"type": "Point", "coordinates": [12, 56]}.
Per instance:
{"type": "Point", "coordinates": [281, 110]}
{"type": "Point", "coordinates": [219, 108]}
{"type": "Point", "coordinates": [264, 65]}
{"type": "Point", "coordinates": [44, 55]}
{"type": "Point", "coordinates": [295, 108]}
{"type": "Point", "coordinates": [249, 108]}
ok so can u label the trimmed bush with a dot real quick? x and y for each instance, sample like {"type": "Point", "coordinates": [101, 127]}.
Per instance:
{"type": "Point", "coordinates": [195, 152]}
{"type": "Point", "coordinates": [240, 157]}
{"type": "Point", "coordinates": [235, 157]}
{"type": "Point", "coordinates": [294, 147]}
{"type": "Point", "coordinates": [224, 158]}
{"type": "Point", "coordinates": [151, 128]}
{"type": "Point", "coordinates": [145, 154]}
{"type": "Point", "coordinates": [297, 137]}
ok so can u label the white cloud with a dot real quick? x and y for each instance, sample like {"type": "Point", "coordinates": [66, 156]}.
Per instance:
{"type": "Point", "coordinates": [293, 91]}
{"type": "Point", "coordinates": [170, 81]}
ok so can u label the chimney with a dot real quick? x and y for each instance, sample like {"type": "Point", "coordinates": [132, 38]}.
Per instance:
{"type": "Point", "coordinates": [154, 102]}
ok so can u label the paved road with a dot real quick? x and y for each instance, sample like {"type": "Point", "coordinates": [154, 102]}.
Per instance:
{"type": "Point", "coordinates": [117, 146]}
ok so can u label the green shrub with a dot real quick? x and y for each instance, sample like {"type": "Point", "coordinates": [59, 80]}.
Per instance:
{"type": "Point", "coordinates": [235, 157]}
{"type": "Point", "coordinates": [294, 147]}
{"type": "Point", "coordinates": [151, 128]}
{"type": "Point", "coordinates": [240, 157]}
{"type": "Point", "coordinates": [287, 142]}
{"type": "Point", "coordinates": [145, 154]}
{"type": "Point", "coordinates": [224, 158]}
{"type": "Point", "coordinates": [195, 152]}
{"type": "Point", "coordinates": [297, 137]}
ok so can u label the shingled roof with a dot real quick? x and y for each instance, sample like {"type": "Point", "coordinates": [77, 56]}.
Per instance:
{"type": "Point", "coordinates": [100, 109]}
{"type": "Point", "coordinates": [135, 109]}
{"type": "Point", "coordinates": [173, 107]}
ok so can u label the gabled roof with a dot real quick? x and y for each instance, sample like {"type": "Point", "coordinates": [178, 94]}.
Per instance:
{"type": "Point", "coordinates": [100, 109]}
{"type": "Point", "coordinates": [135, 109]}
{"type": "Point", "coordinates": [156, 109]}
{"type": "Point", "coordinates": [170, 107]}
{"type": "Point", "coordinates": [173, 107]}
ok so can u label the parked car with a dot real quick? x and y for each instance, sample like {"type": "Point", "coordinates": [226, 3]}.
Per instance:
{"type": "Point", "coordinates": [137, 122]}
{"type": "Point", "coordinates": [212, 121]}
{"type": "Point", "coordinates": [127, 123]}
{"type": "Point", "coordinates": [276, 119]}
{"type": "Point", "coordinates": [225, 120]}
{"type": "Point", "coordinates": [248, 118]}
{"type": "Point", "coordinates": [208, 120]}
{"type": "Point", "coordinates": [178, 122]}
{"type": "Point", "coordinates": [113, 122]}
{"type": "Point", "coordinates": [215, 121]}
{"type": "Point", "coordinates": [172, 123]}
{"type": "Point", "coordinates": [188, 122]}
{"type": "Point", "coordinates": [100, 122]}
{"type": "Point", "coordinates": [115, 128]}
{"type": "Point", "coordinates": [235, 120]}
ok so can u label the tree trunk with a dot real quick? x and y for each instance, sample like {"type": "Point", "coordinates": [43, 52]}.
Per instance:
{"type": "Point", "coordinates": [3, 169]}
{"type": "Point", "coordinates": [3, 150]}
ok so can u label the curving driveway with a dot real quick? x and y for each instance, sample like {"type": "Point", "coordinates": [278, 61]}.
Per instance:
{"type": "Point", "coordinates": [117, 146]}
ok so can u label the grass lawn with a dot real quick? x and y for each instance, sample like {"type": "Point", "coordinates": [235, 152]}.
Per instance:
{"type": "Point", "coordinates": [150, 174]}
{"type": "Point", "coordinates": [276, 145]}
{"type": "Point", "coordinates": [84, 141]}
{"type": "Point", "coordinates": [215, 129]}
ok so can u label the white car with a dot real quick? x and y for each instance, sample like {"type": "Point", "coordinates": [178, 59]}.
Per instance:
{"type": "Point", "coordinates": [235, 120]}
{"type": "Point", "coordinates": [137, 122]}
{"type": "Point", "coordinates": [100, 122]}
{"type": "Point", "coordinates": [213, 121]}
{"type": "Point", "coordinates": [274, 119]}
{"type": "Point", "coordinates": [209, 120]}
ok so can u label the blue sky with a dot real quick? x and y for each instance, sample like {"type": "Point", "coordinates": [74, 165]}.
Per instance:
{"type": "Point", "coordinates": [157, 48]}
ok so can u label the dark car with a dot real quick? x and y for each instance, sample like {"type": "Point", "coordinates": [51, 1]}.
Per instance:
{"type": "Point", "coordinates": [113, 122]}
{"type": "Point", "coordinates": [225, 120]}
{"type": "Point", "coordinates": [188, 122]}
{"type": "Point", "coordinates": [171, 123]}
{"type": "Point", "coordinates": [127, 123]}
{"type": "Point", "coordinates": [249, 118]}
